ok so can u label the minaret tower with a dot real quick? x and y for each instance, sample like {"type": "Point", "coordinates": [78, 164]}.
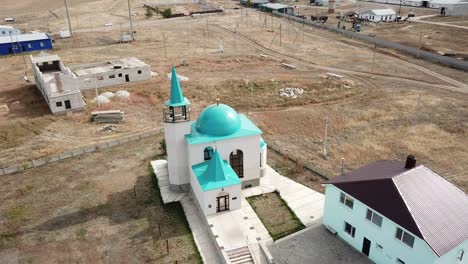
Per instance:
{"type": "Point", "coordinates": [176, 126]}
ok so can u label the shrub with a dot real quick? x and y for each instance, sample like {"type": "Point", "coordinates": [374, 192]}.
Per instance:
{"type": "Point", "coordinates": [166, 13]}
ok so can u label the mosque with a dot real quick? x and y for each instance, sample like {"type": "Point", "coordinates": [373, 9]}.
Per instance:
{"type": "Point", "coordinates": [215, 156]}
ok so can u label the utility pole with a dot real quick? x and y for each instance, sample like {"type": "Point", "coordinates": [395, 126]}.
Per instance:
{"type": "Point", "coordinates": [164, 39]}
{"type": "Point", "coordinates": [207, 29]}
{"type": "Point", "coordinates": [373, 58]}
{"type": "Point", "coordinates": [325, 153]}
{"type": "Point", "coordinates": [131, 21]}
{"type": "Point", "coordinates": [235, 38]}
{"type": "Point", "coordinates": [68, 17]}
{"type": "Point", "coordinates": [280, 34]}
{"type": "Point", "coordinates": [342, 167]}
{"type": "Point", "coordinates": [420, 42]}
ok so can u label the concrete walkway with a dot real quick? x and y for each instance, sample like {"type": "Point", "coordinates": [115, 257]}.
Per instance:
{"type": "Point", "coordinates": [200, 231]}
{"type": "Point", "coordinates": [197, 223]}
{"type": "Point", "coordinates": [240, 228]}
{"type": "Point", "coordinates": [306, 203]}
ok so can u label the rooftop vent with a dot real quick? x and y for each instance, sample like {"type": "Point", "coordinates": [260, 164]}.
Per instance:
{"type": "Point", "coordinates": [410, 162]}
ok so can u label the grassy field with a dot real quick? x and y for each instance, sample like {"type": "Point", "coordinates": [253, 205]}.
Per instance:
{"type": "Point", "coordinates": [275, 214]}
{"type": "Point", "coordinates": [100, 208]}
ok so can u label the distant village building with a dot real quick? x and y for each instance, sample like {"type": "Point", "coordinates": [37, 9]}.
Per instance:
{"type": "Point", "coordinates": [419, 3]}
{"type": "Point", "coordinates": [454, 9]}
{"type": "Point", "coordinates": [399, 213]}
{"type": "Point", "coordinates": [215, 156]}
{"type": "Point", "coordinates": [379, 15]}
{"type": "Point", "coordinates": [323, 2]}
{"type": "Point", "coordinates": [59, 87]}
{"type": "Point", "coordinates": [253, 3]}
{"type": "Point", "coordinates": [8, 31]}
{"type": "Point", "coordinates": [114, 72]}
{"type": "Point", "coordinates": [25, 43]}
{"type": "Point", "coordinates": [270, 7]}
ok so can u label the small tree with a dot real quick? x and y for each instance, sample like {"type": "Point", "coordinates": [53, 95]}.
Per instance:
{"type": "Point", "coordinates": [162, 147]}
{"type": "Point", "coordinates": [249, 3]}
{"type": "Point", "coordinates": [166, 13]}
{"type": "Point", "coordinates": [149, 13]}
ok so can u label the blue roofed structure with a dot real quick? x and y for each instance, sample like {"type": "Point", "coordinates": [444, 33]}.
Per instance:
{"type": "Point", "coordinates": [215, 173]}
{"type": "Point", "coordinates": [177, 96]}
{"type": "Point", "coordinates": [25, 43]}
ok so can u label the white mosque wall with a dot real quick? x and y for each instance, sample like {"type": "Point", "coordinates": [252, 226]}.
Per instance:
{"type": "Point", "coordinates": [207, 199]}
{"type": "Point", "coordinates": [250, 146]}
{"type": "Point", "coordinates": [263, 153]}
{"type": "Point", "coordinates": [176, 146]}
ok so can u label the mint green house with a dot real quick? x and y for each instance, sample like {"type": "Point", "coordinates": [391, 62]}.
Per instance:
{"type": "Point", "coordinates": [397, 213]}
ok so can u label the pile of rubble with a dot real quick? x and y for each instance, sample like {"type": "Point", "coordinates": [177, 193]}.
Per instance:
{"type": "Point", "coordinates": [291, 92]}
{"type": "Point", "coordinates": [108, 128]}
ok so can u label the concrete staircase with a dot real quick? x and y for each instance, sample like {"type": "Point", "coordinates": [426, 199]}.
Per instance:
{"type": "Point", "coordinates": [240, 255]}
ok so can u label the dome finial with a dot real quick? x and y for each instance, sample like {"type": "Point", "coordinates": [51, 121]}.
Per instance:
{"type": "Point", "coordinates": [217, 101]}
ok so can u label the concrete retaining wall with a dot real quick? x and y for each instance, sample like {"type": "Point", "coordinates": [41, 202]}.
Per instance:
{"type": "Point", "coordinates": [28, 164]}
{"type": "Point", "coordinates": [451, 62]}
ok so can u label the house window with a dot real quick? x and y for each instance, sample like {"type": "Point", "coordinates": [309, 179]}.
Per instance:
{"type": "Point", "coordinates": [112, 76]}
{"type": "Point", "coordinates": [100, 78]}
{"type": "Point", "coordinates": [120, 75]}
{"type": "Point", "coordinates": [346, 200]}
{"type": "Point", "coordinates": [260, 160]}
{"type": "Point", "coordinates": [59, 104]}
{"type": "Point", "coordinates": [41, 44]}
{"type": "Point", "coordinates": [404, 237]}
{"type": "Point", "coordinates": [3, 32]}
{"type": "Point", "coordinates": [208, 153]}
{"type": "Point", "coordinates": [139, 72]}
{"type": "Point", "coordinates": [349, 229]}
{"type": "Point", "coordinates": [399, 261]}
{"type": "Point", "coordinates": [29, 45]}
{"type": "Point", "coordinates": [374, 218]}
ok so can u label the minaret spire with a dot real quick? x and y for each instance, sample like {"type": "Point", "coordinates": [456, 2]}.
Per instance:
{"type": "Point", "coordinates": [177, 96]}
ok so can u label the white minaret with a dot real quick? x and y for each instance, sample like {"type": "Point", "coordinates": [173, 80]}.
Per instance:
{"type": "Point", "coordinates": [176, 126]}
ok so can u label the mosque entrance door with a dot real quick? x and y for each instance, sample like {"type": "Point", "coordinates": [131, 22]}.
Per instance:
{"type": "Point", "coordinates": [236, 160]}
{"type": "Point", "coordinates": [223, 203]}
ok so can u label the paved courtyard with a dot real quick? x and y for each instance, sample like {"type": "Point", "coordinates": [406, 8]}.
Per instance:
{"type": "Point", "coordinates": [315, 245]}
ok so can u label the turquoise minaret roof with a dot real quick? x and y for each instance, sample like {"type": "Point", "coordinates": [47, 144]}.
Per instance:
{"type": "Point", "coordinates": [215, 173]}
{"type": "Point", "coordinates": [177, 96]}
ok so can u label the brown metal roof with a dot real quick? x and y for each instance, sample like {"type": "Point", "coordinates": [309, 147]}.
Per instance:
{"type": "Point", "coordinates": [418, 199]}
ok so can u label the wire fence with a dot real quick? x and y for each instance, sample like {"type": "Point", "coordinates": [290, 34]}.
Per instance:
{"type": "Point", "coordinates": [29, 164]}
{"type": "Point", "coordinates": [452, 62]}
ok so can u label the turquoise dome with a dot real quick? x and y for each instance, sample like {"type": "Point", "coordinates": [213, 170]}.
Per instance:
{"type": "Point", "coordinates": [218, 120]}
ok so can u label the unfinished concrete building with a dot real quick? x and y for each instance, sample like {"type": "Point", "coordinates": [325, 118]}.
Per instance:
{"type": "Point", "coordinates": [114, 72]}
{"type": "Point", "coordinates": [58, 85]}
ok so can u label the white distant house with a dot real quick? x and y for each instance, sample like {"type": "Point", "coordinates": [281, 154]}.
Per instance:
{"type": "Point", "coordinates": [9, 30]}
{"type": "Point", "coordinates": [215, 156]}
{"type": "Point", "coordinates": [379, 15]}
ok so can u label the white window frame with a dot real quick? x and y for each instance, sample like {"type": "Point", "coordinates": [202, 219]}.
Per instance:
{"type": "Point", "coordinates": [373, 214]}
{"type": "Point", "coordinates": [345, 199]}
{"type": "Point", "coordinates": [403, 233]}
{"type": "Point", "coordinates": [41, 44]}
